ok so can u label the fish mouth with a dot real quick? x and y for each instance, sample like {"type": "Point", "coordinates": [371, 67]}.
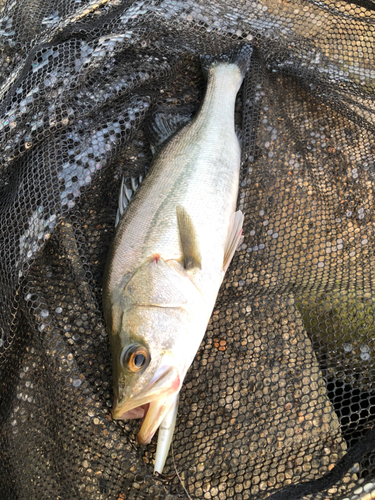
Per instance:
{"type": "Point", "coordinates": [152, 404]}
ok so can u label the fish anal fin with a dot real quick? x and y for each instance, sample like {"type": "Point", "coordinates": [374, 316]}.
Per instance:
{"type": "Point", "coordinates": [188, 240]}
{"type": "Point", "coordinates": [235, 238]}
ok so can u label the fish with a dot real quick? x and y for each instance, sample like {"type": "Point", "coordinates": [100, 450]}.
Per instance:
{"type": "Point", "coordinates": [173, 243]}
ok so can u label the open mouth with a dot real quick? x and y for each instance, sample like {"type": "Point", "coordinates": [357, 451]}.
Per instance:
{"type": "Point", "coordinates": [152, 404]}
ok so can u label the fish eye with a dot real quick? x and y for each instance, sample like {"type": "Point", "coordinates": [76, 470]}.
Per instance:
{"type": "Point", "coordinates": [135, 358]}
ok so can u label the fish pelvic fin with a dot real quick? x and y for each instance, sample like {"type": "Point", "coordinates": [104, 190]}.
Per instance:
{"type": "Point", "coordinates": [240, 56]}
{"type": "Point", "coordinates": [235, 238]}
{"type": "Point", "coordinates": [188, 240]}
{"type": "Point", "coordinates": [165, 436]}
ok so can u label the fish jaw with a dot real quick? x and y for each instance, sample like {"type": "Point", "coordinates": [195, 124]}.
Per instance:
{"type": "Point", "coordinates": [152, 404]}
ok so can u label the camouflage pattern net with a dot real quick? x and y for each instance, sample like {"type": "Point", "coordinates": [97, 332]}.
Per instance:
{"type": "Point", "coordinates": [280, 400]}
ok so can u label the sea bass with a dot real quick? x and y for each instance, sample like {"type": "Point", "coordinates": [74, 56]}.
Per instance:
{"type": "Point", "coordinates": [170, 252]}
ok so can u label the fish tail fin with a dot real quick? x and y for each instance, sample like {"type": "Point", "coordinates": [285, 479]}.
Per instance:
{"type": "Point", "coordinates": [240, 56]}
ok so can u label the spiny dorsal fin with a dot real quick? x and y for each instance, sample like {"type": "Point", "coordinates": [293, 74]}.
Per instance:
{"type": "Point", "coordinates": [235, 238]}
{"type": "Point", "coordinates": [188, 239]}
{"type": "Point", "coordinates": [238, 134]}
{"type": "Point", "coordinates": [126, 194]}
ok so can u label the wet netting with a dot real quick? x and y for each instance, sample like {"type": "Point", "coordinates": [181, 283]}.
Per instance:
{"type": "Point", "coordinates": [279, 402]}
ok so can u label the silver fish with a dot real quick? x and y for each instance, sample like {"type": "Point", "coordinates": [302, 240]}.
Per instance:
{"type": "Point", "coordinates": [171, 249]}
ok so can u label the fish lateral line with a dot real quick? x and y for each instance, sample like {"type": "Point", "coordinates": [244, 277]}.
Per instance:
{"type": "Point", "coordinates": [160, 306]}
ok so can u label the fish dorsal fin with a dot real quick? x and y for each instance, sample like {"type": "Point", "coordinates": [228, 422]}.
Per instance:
{"type": "Point", "coordinates": [235, 238]}
{"type": "Point", "coordinates": [188, 240]}
{"type": "Point", "coordinates": [238, 134]}
{"type": "Point", "coordinates": [163, 125]}
{"type": "Point", "coordinates": [128, 187]}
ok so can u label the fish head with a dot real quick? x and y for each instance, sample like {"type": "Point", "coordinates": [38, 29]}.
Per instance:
{"type": "Point", "coordinates": [149, 365]}
{"type": "Point", "coordinates": [151, 347]}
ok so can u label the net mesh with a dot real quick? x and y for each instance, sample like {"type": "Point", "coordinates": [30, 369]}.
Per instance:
{"type": "Point", "coordinates": [280, 401]}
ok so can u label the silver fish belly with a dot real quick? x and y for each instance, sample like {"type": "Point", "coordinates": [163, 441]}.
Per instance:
{"type": "Point", "coordinates": [170, 253]}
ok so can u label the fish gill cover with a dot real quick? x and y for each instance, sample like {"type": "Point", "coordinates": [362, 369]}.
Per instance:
{"type": "Point", "coordinates": [279, 402]}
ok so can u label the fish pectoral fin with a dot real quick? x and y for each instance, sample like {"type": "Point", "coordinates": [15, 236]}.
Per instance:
{"type": "Point", "coordinates": [188, 240]}
{"type": "Point", "coordinates": [235, 238]}
{"type": "Point", "coordinates": [127, 189]}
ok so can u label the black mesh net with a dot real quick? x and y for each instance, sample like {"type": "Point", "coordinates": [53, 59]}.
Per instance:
{"type": "Point", "coordinates": [280, 400]}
